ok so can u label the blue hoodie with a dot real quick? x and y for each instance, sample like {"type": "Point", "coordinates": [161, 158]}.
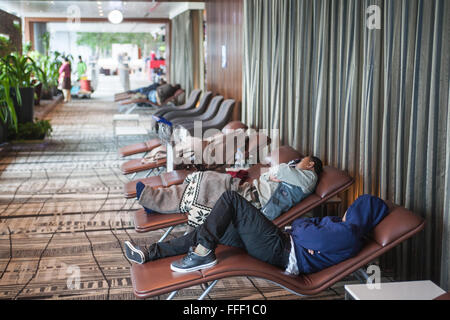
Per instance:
{"type": "Point", "coordinates": [336, 240]}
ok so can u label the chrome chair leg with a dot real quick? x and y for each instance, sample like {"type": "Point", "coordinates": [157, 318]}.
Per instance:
{"type": "Point", "coordinates": [205, 293]}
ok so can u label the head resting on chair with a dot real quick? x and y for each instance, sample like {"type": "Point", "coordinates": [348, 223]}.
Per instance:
{"type": "Point", "coordinates": [365, 213]}
{"type": "Point", "coordinates": [308, 163]}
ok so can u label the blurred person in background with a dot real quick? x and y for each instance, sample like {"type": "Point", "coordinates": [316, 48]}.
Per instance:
{"type": "Point", "coordinates": [64, 79]}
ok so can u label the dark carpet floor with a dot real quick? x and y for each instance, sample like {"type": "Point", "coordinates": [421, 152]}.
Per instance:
{"type": "Point", "coordinates": [63, 218]}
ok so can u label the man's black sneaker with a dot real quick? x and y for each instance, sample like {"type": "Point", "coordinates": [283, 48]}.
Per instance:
{"type": "Point", "coordinates": [193, 262]}
{"type": "Point", "coordinates": [134, 253]}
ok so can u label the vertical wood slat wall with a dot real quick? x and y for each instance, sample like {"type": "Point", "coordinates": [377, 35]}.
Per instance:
{"type": "Point", "coordinates": [7, 27]}
{"type": "Point", "coordinates": [224, 26]}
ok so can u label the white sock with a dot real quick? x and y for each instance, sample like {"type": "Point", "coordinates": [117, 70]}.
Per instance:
{"type": "Point", "coordinates": [201, 250]}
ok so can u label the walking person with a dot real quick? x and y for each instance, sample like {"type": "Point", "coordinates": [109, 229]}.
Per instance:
{"type": "Point", "coordinates": [81, 68]}
{"type": "Point", "coordinates": [64, 79]}
{"type": "Point", "coordinates": [124, 71]}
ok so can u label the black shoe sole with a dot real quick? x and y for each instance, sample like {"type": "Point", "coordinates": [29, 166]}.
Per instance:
{"type": "Point", "coordinates": [133, 254]}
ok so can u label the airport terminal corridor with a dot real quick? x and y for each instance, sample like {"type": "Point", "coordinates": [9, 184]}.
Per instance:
{"type": "Point", "coordinates": [295, 150]}
{"type": "Point", "coordinates": [63, 216]}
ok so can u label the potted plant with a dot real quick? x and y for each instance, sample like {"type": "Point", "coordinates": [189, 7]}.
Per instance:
{"type": "Point", "coordinates": [5, 45]}
{"type": "Point", "coordinates": [21, 69]}
{"type": "Point", "coordinates": [7, 109]}
{"type": "Point", "coordinates": [49, 64]}
{"type": "Point", "coordinates": [31, 132]}
{"type": "Point", "coordinates": [37, 92]}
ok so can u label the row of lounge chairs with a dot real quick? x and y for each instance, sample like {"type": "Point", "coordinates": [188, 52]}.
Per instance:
{"type": "Point", "coordinates": [156, 278]}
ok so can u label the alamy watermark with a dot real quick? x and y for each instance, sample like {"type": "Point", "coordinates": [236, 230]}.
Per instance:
{"type": "Point", "coordinates": [373, 17]}
{"type": "Point", "coordinates": [61, 271]}
{"type": "Point", "coordinates": [374, 277]}
{"type": "Point", "coordinates": [73, 17]}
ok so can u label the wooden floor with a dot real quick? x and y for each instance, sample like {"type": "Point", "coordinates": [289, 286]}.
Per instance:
{"type": "Point", "coordinates": [63, 219]}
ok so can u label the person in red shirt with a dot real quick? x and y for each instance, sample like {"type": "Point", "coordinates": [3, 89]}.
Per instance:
{"type": "Point", "coordinates": [64, 79]}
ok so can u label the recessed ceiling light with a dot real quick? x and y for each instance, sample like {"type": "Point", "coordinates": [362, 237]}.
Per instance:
{"type": "Point", "coordinates": [115, 17]}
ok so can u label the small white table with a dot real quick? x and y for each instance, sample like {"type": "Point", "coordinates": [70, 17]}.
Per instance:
{"type": "Point", "coordinates": [129, 131]}
{"type": "Point", "coordinates": [126, 117]}
{"type": "Point", "coordinates": [407, 290]}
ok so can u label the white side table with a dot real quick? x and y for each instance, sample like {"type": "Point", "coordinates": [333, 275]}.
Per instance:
{"type": "Point", "coordinates": [124, 117]}
{"type": "Point", "coordinates": [129, 131]}
{"type": "Point", "coordinates": [407, 290]}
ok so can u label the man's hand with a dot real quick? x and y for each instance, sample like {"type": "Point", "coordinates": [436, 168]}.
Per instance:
{"type": "Point", "coordinates": [272, 178]}
{"type": "Point", "coordinates": [311, 252]}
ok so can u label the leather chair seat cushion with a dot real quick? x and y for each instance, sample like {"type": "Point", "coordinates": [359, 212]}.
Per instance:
{"type": "Point", "coordinates": [397, 224]}
{"type": "Point", "coordinates": [174, 177]}
{"type": "Point", "coordinates": [331, 179]}
{"type": "Point", "coordinates": [136, 165]}
{"type": "Point", "coordinates": [155, 278]}
{"type": "Point", "coordinates": [149, 222]}
{"type": "Point", "coordinates": [445, 296]}
{"type": "Point", "coordinates": [283, 154]}
{"type": "Point", "coordinates": [139, 147]}
{"type": "Point", "coordinates": [130, 187]}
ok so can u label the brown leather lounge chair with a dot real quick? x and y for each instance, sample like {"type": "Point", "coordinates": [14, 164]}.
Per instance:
{"type": "Point", "coordinates": [331, 182]}
{"type": "Point", "coordinates": [445, 296]}
{"type": "Point", "coordinates": [179, 115]}
{"type": "Point", "coordinates": [136, 165]}
{"type": "Point", "coordinates": [156, 142]}
{"type": "Point", "coordinates": [156, 278]}
{"type": "Point", "coordinates": [253, 143]}
{"type": "Point", "coordinates": [209, 113]}
{"type": "Point", "coordinates": [123, 96]}
{"type": "Point", "coordinates": [218, 122]}
{"type": "Point", "coordinates": [127, 99]}
{"type": "Point", "coordinates": [190, 104]}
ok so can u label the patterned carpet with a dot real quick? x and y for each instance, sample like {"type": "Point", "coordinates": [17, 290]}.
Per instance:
{"type": "Point", "coordinates": [63, 218]}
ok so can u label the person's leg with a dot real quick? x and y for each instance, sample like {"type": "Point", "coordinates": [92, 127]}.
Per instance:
{"type": "Point", "coordinates": [139, 188]}
{"type": "Point", "coordinates": [235, 220]}
{"type": "Point", "coordinates": [162, 200]}
{"type": "Point", "coordinates": [159, 250]}
{"type": "Point", "coordinates": [260, 237]}
{"type": "Point", "coordinates": [65, 94]}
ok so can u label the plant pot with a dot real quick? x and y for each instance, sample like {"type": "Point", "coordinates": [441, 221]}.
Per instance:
{"type": "Point", "coordinates": [47, 94]}
{"type": "Point", "coordinates": [3, 132]}
{"type": "Point", "coordinates": [38, 91]}
{"type": "Point", "coordinates": [54, 91]}
{"type": "Point", "coordinates": [25, 112]}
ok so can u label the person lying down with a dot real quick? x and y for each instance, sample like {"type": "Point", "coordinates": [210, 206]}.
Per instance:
{"type": "Point", "coordinates": [187, 147]}
{"type": "Point", "coordinates": [275, 192]}
{"type": "Point", "coordinates": [310, 245]}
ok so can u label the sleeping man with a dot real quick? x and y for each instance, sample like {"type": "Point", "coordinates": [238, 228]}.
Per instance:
{"type": "Point", "coordinates": [310, 245]}
{"type": "Point", "coordinates": [275, 192]}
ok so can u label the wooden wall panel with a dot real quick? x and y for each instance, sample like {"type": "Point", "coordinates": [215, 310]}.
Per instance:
{"type": "Point", "coordinates": [7, 27]}
{"type": "Point", "coordinates": [225, 27]}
